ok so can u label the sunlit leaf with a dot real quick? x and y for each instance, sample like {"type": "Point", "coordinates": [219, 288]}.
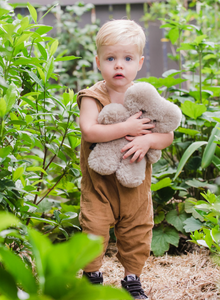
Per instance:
{"type": "Point", "coordinates": [189, 151]}
{"type": "Point", "coordinates": [32, 11]}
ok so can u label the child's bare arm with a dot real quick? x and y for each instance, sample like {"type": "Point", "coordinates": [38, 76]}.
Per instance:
{"type": "Point", "coordinates": [94, 132]}
{"type": "Point", "coordinates": [139, 145]}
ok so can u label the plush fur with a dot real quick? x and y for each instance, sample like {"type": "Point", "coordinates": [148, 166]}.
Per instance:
{"type": "Point", "coordinates": [106, 158]}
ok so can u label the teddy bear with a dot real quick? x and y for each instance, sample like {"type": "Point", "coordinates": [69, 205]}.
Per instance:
{"type": "Point", "coordinates": [106, 158]}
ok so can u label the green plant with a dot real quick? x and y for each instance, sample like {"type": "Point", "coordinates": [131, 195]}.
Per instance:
{"type": "Point", "coordinates": [204, 224]}
{"type": "Point", "coordinates": [38, 132]}
{"type": "Point", "coordinates": [54, 269]}
{"type": "Point", "coordinates": [191, 164]}
{"type": "Point", "coordinates": [75, 39]}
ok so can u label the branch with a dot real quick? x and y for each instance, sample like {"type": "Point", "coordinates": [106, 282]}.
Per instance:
{"type": "Point", "coordinates": [51, 189]}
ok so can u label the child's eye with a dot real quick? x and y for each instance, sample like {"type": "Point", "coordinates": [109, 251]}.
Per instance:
{"type": "Point", "coordinates": [110, 58]}
{"type": "Point", "coordinates": [127, 58]}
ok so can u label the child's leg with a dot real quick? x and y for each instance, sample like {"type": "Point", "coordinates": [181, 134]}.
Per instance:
{"type": "Point", "coordinates": [134, 229]}
{"type": "Point", "coordinates": [96, 213]}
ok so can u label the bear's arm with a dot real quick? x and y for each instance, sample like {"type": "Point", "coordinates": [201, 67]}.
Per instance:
{"type": "Point", "coordinates": [94, 132]}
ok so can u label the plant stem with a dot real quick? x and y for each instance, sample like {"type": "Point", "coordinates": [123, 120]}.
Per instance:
{"type": "Point", "coordinates": [9, 63]}
{"type": "Point", "coordinates": [200, 75]}
{"type": "Point", "coordinates": [51, 188]}
{"type": "Point", "coordinates": [180, 60]}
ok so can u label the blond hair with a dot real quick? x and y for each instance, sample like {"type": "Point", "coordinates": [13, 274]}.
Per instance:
{"type": "Point", "coordinates": [121, 32]}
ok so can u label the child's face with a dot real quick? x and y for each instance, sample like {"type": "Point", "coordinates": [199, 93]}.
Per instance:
{"type": "Point", "coordinates": [119, 65]}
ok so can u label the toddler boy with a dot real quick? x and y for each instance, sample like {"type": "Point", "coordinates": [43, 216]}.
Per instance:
{"type": "Point", "coordinates": [104, 202]}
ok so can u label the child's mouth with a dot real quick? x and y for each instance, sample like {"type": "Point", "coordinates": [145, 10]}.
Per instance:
{"type": "Point", "coordinates": [119, 76]}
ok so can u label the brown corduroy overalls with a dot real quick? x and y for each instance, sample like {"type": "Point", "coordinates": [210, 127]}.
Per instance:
{"type": "Point", "coordinates": [105, 202]}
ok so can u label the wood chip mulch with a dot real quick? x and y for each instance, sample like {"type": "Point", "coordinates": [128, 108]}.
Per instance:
{"type": "Point", "coordinates": [187, 276]}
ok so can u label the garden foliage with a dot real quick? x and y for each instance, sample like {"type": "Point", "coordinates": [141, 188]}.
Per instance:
{"type": "Point", "coordinates": [54, 272]}
{"type": "Point", "coordinates": [40, 171]}
{"type": "Point", "coordinates": [38, 130]}
{"type": "Point", "coordinates": [76, 39]}
{"type": "Point", "coordinates": [192, 163]}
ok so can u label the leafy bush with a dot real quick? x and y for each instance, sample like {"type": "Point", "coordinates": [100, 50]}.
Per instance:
{"type": "Point", "coordinates": [75, 39]}
{"type": "Point", "coordinates": [191, 164]}
{"type": "Point", "coordinates": [50, 277]}
{"type": "Point", "coordinates": [38, 132]}
{"type": "Point", "coordinates": [205, 221]}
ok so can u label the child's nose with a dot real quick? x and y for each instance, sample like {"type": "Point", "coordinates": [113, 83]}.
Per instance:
{"type": "Point", "coordinates": [118, 65]}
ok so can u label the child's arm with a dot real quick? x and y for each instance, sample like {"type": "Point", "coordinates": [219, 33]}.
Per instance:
{"type": "Point", "coordinates": [139, 145]}
{"type": "Point", "coordinates": [94, 132]}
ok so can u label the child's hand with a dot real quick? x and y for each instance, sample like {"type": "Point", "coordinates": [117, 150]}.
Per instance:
{"type": "Point", "coordinates": [137, 127]}
{"type": "Point", "coordinates": [138, 146]}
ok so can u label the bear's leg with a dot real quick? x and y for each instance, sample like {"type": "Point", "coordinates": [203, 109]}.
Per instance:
{"type": "Point", "coordinates": [153, 155]}
{"type": "Point", "coordinates": [105, 157]}
{"type": "Point", "coordinates": [131, 174]}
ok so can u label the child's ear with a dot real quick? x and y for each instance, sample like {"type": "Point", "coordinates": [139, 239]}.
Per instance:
{"type": "Point", "coordinates": [141, 62]}
{"type": "Point", "coordinates": [97, 61]}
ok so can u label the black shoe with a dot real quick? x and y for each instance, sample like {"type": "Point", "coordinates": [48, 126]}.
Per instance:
{"type": "Point", "coordinates": [94, 277]}
{"type": "Point", "coordinates": [133, 285]}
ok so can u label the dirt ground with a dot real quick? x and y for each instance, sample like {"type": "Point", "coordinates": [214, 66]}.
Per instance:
{"type": "Point", "coordinates": [187, 276]}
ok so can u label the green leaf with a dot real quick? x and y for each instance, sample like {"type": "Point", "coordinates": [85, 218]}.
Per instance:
{"type": "Point", "coordinates": [22, 38]}
{"type": "Point", "coordinates": [18, 270]}
{"type": "Point", "coordinates": [86, 248]}
{"type": "Point", "coordinates": [3, 107]}
{"type": "Point", "coordinates": [191, 224]}
{"type": "Point", "coordinates": [32, 11]}
{"type": "Point", "coordinates": [65, 58]}
{"type": "Point", "coordinates": [176, 219]}
{"type": "Point", "coordinates": [210, 147]}
{"type": "Point", "coordinates": [43, 29]}
{"type": "Point", "coordinates": [8, 286]}
{"type": "Point", "coordinates": [190, 208]}
{"type": "Point", "coordinates": [162, 238]}
{"type": "Point", "coordinates": [192, 109]}
{"type": "Point", "coordinates": [73, 141]}
{"type": "Point", "coordinates": [41, 73]}
{"type": "Point", "coordinates": [161, 184]}
{"type": "Point", "coordinates": [159, 217]}
{"type": "Point", "coordinates": [10, 97]}
{"type": "Point", "coordinates": [5, 151]}
{"type": "Point", "coordinates": [42, 51]}
{"type": "Point", "coordinates": [41, 248]}
{"type": "Point", "coordinates": [196, 94]}
{"type": "Point", "coordinates": [216, 161]}
{"type": "Point", "coordinates": [186, 46]}
{"type": "Point", "coordinates": [36, 169]}
{"type": "Point", "coordinates": [173, 35]}
{"type": "Point", "coordinates": [189, 151]}
{"type": "Point", "coordinates": [53, 47]}
{"type": "Point", "coordinates": [188, 131]}
{"type": "Point", "coordinates": [216, 235]}
{"type": "Point", "coordinates": [49, 67]}
{"type": "Point", "coordinates": [17, 173]}
{"type": "Point", "coordinates": [7, 220]}
{"type": "Point", "coordinates": [35, 78]}
{"type": "Point", "coordinates": [199, 39]}
{"type": "Point", "coordinates": [66, 98]}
